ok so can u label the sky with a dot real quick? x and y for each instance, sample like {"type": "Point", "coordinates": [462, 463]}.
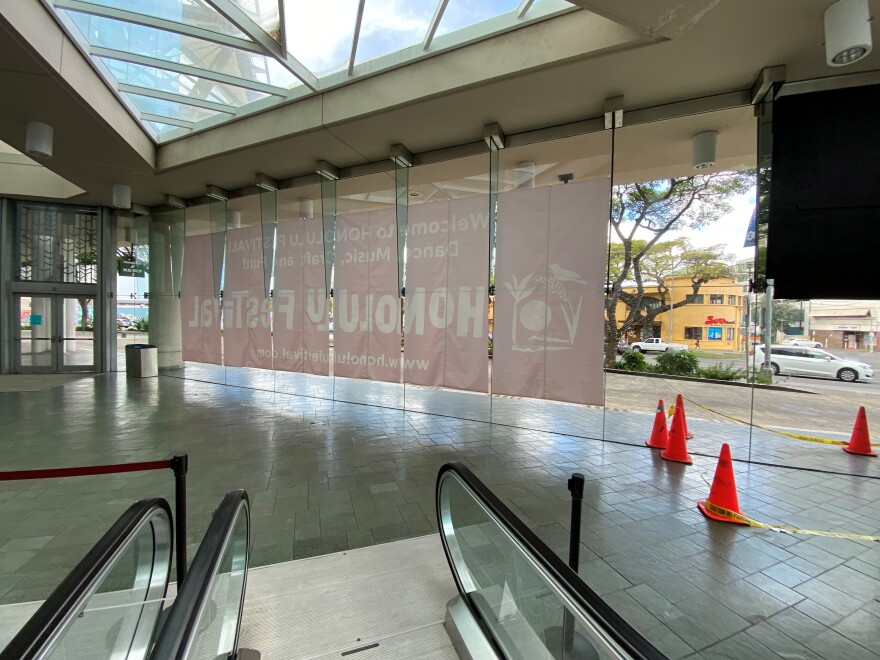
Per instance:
{"type": "Point", "coordinates": [729, 230]}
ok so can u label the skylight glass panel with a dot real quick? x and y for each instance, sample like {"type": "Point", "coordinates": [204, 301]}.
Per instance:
{"type": "Point", "coordinates": [172, 47]}
{"type": "Point", "coordinates": [170, 109]}
{"type": "Point", "coordinates": [162, 128]}
{"type": "Point", "coordinates": [462, 14]}
{"type": "Point", "coordinates": [392, 25]}
{"type": "Point", "coordinates": [319, 34]}
{"type": "Point", "coordinates": [189, 12]}
{"type": "Point", "coordinates": [265, 13]}
{"type": "Point", "coordinates": [178, 83]}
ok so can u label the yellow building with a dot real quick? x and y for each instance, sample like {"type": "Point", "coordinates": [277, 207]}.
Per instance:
{"type": "Point", "coordinates": [714, 317]}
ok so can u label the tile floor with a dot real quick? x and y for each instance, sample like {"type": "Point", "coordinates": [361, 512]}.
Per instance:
{"type": "Point", "coordinates": [327, 476]}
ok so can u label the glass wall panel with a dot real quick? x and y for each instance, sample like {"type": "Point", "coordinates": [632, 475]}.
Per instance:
{"type": "Point", "coordinates": [301, 322]}
{"type": "Point", "coordinates": [678, 279]}
{"type": "Point", "coordinates": [447, 322]}
{"type": "Point", "coordinates": [132, 282]}
{"type": "Point", "coordinates": [547, 310]}
{"type": "Point", "coordinates": [247, 337]}
{"type": "Point", "coordinates": [167, 229]}
{"type": "Point", "coordinates": [814, 361]}
{"type": "Point", "coordinates": [366, 312]}
{"type": "Point", "coordinates": [201, 286]}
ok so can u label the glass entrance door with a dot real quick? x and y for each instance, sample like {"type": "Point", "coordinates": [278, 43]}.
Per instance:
{"type": "Point", "coordinates": [55, 333]}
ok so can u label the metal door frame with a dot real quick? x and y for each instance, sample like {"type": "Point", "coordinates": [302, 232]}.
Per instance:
{"type": "Point", "coordinates": [56, 339]}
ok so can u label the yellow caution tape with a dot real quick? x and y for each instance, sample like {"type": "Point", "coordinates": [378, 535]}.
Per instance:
{"type": "Point", "coordinates": [796, 436]}
{"type": "Point", "coordinates": [738, 517]}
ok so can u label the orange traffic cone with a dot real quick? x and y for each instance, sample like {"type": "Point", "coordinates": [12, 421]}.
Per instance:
{"type": "Point", "coordinates": [677, 449]}
{"type": "Point", "coordinates": [722, 495]}
{"type": "Point", "coordinates": [659, 435]}
{"type": "Point", "coordinates": [679, 403]}
{"type": "Point", "coordinates": [860, 442]}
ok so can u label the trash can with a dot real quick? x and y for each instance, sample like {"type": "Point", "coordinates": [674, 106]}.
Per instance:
{"type": "Point", "coordinates": [141, 360]}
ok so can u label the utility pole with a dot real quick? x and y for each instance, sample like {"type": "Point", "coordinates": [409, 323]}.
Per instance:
{"type": "Point", "coordinates": [768, 322]}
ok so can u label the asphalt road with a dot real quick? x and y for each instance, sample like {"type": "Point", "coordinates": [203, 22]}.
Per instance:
{"type": "Point", "coordinates": [818, 385]}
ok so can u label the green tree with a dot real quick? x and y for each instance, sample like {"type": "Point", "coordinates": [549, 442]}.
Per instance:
{"type": "Point", "coordinates": [786, 313]}
{"type": "Point", "coordinates": [655, 208]}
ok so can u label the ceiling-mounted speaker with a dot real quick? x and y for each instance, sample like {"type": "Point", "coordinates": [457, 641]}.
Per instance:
{"type": "Point", "coordinates": [704, 150]}
{"type": "Point", "coordinates": [847, 32]}
{"type": "Point", "coordinates": [121, 196]}
{"type": "Point", "coordinates": [38, 139]}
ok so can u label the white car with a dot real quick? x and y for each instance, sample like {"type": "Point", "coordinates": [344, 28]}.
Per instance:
{"type": "Point", "coordinates": [803, 342]}
{"type": "Point", "coordinates": [804, 361]}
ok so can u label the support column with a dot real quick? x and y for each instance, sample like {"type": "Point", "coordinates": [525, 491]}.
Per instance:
{"type": "Point", "coordinates": [164, 303]}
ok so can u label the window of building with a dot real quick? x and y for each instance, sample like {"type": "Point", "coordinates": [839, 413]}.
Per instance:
{"type": "Point", "coordinates": [716, 298]}
{"type": "Point", "coordinates": [693, 333]}
{"type": "Point", "coordinates": [730, 334]}
{"type": "Point", "coordinates": [731, 300]}
{"type": "Point", "coordinates": [696, 299]}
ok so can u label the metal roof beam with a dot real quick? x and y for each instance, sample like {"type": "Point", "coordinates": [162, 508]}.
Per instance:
{"type": "Point", "coordinates": [271, 47]}
{"type": "Point", "coordinates": [187, 70]}
{"type": "Point", "coordinates": [357, 34]}
{"type": "Point", "coordinates": [171, 121]}
{"type": "Point", "coordinates": [524, 7]}
{"type": "Point", "coordinates": [159, 24]}
{"type": "Point", "coordinates": [176, 98]}
{"type": "Point", "coordinates": [435, 23]}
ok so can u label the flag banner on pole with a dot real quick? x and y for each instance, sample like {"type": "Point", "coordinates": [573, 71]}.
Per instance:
{"type": "Point", "coordinates": [247, 338]}
{"type": "Point", "coordinates": [200, 308]}
{"type": "Point", "coordinates": [751, 232]}
{"type": "Point", "coordinates": [300, 309]}
{"type": "Point", "coordinates": [549, 314]}
{"type": "Point", "coordinates": [446, 311]}
{"type": "Point", "coordinates": [366, 302]}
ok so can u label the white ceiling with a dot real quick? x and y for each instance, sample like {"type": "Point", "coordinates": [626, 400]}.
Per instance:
{"type": "Point", "coordinates": [656, 52]}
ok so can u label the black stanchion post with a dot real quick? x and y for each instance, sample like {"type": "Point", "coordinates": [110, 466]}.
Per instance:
{"type": "Point", "coordinates": [180, 465]}
{"type": "Point", "coordinates": [576, 488]}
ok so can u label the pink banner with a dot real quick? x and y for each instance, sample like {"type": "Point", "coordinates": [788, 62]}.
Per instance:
{"type": "Point", "coordinates": [366, 303]}
{"type": "Point", "coordinates": [301, 314]}
{"type": "Point", "coordinates": [200, 309]}
{"type": "Point", "coordinates": [247, 340]}
{"type": "Point", "coordinates": [446, 309]}
{"type": "Point", "coordinates": [548, 305]}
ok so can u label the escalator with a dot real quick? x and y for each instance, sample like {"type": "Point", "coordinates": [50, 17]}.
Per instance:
{"type": "Point", "coordinates": [114, 603]}
{"type": "Point", "coordinates": [517, 598]}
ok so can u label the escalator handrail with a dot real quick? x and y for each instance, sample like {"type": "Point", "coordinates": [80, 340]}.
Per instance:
{"type": "Point", "coordinates": [570, 582]}
{"type": "Point", "coordinates": [63, 603]}
{"type": "Point", "coordinates": [180, 625]}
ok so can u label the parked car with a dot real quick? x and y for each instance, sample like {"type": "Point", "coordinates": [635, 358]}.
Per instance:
{"type": "Point", "coordinates": [803, 342]}
{"type": "Point", "coordinates": [123, 323]}
{"type": "Point", "coordinates": [622, 346]}
{"type": "Point", "coordinates": [808, 361]}
{"type": "Point", "coordinates": [656, 345]}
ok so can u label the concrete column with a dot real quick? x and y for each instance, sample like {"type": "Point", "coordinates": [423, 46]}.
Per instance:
{"type": "Point", "coordinates": [164, 329]}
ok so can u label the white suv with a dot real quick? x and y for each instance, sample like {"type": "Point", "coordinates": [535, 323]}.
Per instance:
{"type": "Point", "coordinates": [802, 361]}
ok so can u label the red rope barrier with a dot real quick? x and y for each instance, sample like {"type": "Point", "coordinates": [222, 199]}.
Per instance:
{"type": "Point", "coordinates": [84, 471]}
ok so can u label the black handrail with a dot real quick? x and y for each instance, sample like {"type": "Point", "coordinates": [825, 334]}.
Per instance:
{"type": "Point", "coordinates": [59, 606]}
{"type": "Point", "coordinates": [570, 582]}
{"type": "Point", "coordinates": [180, 624]}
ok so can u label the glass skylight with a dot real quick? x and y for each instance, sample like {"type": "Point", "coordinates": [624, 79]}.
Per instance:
{"type": "Point", "coordinates": [184, 65]}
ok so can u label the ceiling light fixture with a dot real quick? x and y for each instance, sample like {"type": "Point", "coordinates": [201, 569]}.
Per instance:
{"type": "Point", "coordinates": [121, 196]}
{"type": "Point", "coordinates": [847, 32]}
{"type": "Point", "coordinates": [704, 150]}
{"type": "Point", "coordinates": [38, 139]}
